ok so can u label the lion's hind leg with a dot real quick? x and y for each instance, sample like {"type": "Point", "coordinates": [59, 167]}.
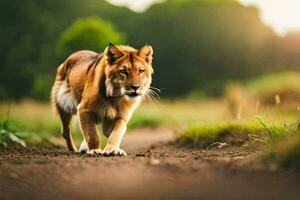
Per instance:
{"type": "Point", "coordinates": [65, 129]}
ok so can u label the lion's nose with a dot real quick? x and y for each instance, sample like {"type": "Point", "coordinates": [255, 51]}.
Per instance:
{"type": "Point", "coordinates": [134, 87]}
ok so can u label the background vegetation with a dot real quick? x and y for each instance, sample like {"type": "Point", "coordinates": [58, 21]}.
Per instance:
{"type": "Point", "coordinates": [225, 42]}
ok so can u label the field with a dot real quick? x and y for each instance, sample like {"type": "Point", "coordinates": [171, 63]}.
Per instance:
{"type": "Point", "coordinates": [221, 119]}
{"type": "Point", "coordinates": [41, 121]}
{"type": "Point", "coordinates": [246, 141]}
{"type": "Point", "coordinates": [202, 139]}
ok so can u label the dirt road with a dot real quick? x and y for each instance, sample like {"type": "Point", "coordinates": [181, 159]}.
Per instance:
{"type": "Point", "coordinates": [152, 170]}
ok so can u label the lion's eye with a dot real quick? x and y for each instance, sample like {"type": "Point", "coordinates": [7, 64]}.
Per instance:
{"type": "Point", "coordinates": [141, 71]}
{"type": "Point", "coordinates": [123, 71]}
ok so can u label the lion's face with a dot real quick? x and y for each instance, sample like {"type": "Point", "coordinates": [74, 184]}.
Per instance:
{"type": "Point", "coordinates": [129, 71]}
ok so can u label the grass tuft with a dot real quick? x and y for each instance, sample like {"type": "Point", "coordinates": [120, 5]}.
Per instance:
{"type": "Point", "coordinates": [9, 135]}
{"type": "Point", "coordinates": [13, 131]}
{"type": "Point", "coordinates": [232, 133]}
{"type": "Point", "coordinates": [279, 132]}
{"type": "Point", "coordinates": [285, 149]}
{"type": "Point", "coordinates": [272, 131]}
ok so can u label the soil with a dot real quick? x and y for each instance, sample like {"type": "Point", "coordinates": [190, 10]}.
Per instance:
{"type": "Point", "coordinates": [154, 169]}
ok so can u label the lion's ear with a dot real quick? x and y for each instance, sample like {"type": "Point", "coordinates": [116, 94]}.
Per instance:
{"type": "Point", "coordinates": [112, 53]}
{"type": "Point", "coordinates": [146, 52]}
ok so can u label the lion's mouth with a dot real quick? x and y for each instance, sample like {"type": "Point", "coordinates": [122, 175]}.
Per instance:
{"type": "Point", "coordinates": [133, 94]}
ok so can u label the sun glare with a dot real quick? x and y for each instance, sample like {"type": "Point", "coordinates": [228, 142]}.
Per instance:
{"type": "Point", "coordinates": [282, 15]}
{"type": "Point", "coordinates": [135, 5]}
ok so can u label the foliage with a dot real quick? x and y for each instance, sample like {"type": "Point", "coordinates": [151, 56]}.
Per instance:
{"type": "Point", "coordinates": [236, 132]}
{"type": "Point", "coordinates": [41, 87]}
{"type": "Point", "coordinates": [277, 91]}
{"type": "Point", "coordinates": [9, 135]}
{"type": "Point", "coordinates": [284, 84]}
{"type": "Point", "coordinates": [142, 121]}
{"type": "Point", "coordinates": [285, 149]}
{"type": "Point", "coordinates": [90, 33]}
{"type": "Point", "coordinates": [232, 132]}
{"type": "Point", "coordinates": [273, 131]}
{"type": "Point", "coordinates": [219, 47]}
{"type": "Point", "coordinates": [227, 41]}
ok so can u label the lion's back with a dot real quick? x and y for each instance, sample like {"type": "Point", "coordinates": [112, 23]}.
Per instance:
{"type": "Point", "coordinates": [70, 79]}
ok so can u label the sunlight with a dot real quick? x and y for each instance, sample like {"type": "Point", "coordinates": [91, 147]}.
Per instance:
{"type": "Point", "coordinates": [282, 15]}
{"type": "Point", "coordinates": [135, 5]}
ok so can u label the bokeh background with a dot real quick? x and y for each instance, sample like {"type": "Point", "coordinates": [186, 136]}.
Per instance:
{"type": "Point", "coordinates": [214, 60]}
{"type": "Point", "coordinates": [199, 46]}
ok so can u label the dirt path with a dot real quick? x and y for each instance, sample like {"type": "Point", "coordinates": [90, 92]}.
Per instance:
{"type": "Point", "coordinates": [151, 171]}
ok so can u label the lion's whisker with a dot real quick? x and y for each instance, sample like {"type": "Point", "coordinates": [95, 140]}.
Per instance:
{"type": "Point", "coordinates": [155, 94]}
{"type": "Point", "coordinates": [151, 96]}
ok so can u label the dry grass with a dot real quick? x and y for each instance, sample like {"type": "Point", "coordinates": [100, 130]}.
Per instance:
{"type": "Point", "coordinates": [275, 97]}
{"type": "Point", "coordinates": [38, 118]}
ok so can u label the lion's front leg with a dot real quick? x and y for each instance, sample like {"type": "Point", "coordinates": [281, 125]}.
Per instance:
{"type": "Point", "coordinates": [112, 147]}
{"type": "Point", "coordinates": [88, 127]}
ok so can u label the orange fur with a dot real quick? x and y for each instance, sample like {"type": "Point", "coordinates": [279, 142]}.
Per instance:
{"type": "Point", "coordinates": [103, 88]}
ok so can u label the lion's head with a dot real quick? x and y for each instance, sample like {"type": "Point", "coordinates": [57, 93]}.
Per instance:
{"type": "Point", "coordinates": [128, 71]}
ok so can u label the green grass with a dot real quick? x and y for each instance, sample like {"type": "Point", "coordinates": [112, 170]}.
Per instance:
{"type": "Point", "coordinates": [140, 120]}
{"type": "Point", "coordinates": [274, 81]}
{"type": "Point", "coordinates": [36, 122]}
{"type": "Point", "coordinates": [38, 117]}
{"type": "Point", "coordinates": [285, 149]}
{"type": "Point", "coordinates": [279, 131]}
{"type": "Point", "coordinates": [285, 85]}
{"type": "Point", "coordinates": [206, 118]}
{"type": "Point", "coordinates": [284, 153]}
{"type": "Point", "coordinates": [9, 136]}
{"type": "Point", "coordinates": [13, 132]}
{"type": "Point", "coordinates": [232, 132]}
{"type": "Point", "coordinates": [236, 132]}
{"type": "Point", "coordinates": [273, 131]}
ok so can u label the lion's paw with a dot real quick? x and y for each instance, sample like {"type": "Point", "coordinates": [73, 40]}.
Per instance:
{"type": "Point", "coordinates": [111, 151]}
{"type": "Point", "coordinates": [94, 152]}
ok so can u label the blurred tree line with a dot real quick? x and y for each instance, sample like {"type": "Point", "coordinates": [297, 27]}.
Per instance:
{"type": "Point", "coordinates": [198, 45]}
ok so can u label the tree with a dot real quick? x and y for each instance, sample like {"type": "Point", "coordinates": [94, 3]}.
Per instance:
{"type": "Point", "coordinates": [90, 33]}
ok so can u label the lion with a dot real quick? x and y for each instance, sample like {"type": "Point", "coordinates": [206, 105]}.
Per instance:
{"type": "Point", "coordinates": [101, 88]}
